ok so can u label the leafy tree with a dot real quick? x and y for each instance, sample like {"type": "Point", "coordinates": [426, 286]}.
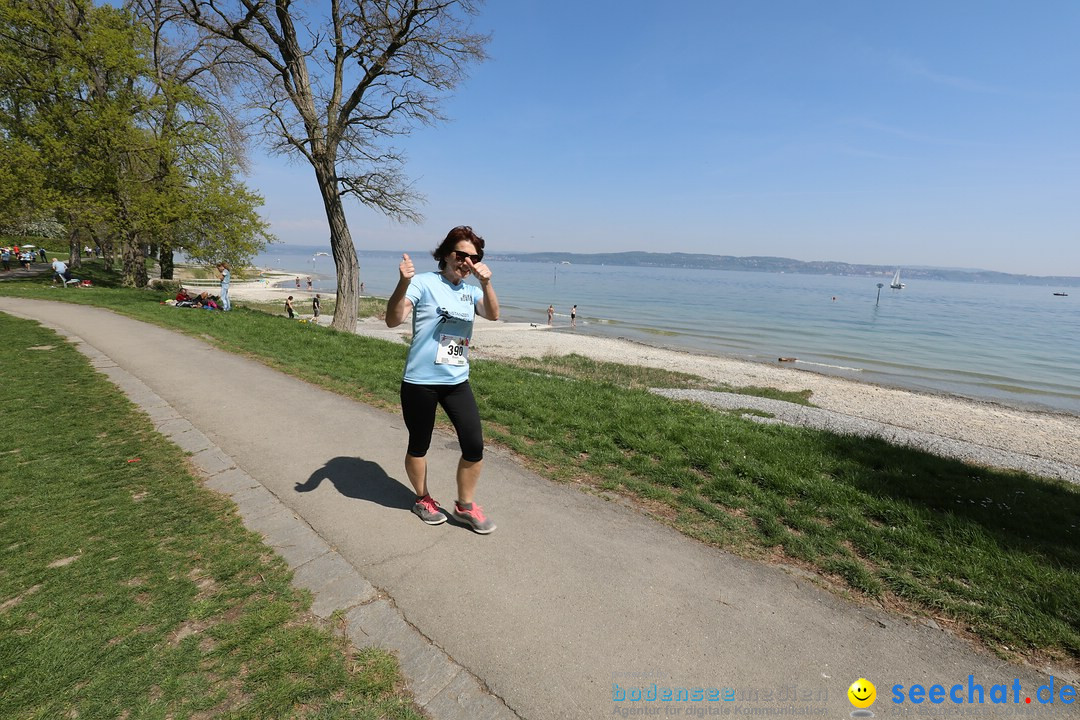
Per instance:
{"type": "Point", "coordinates": [21, 185]}
{"type": "Point", "coordinates": [74, 97]}
{"type": "Point", "coordinates": [126, 150]}
{"type": "Point", "coordinates": [35, 87]}
{"type": "Point", "coordinates": [334, 83]}
{"type": "Point", "coordinates": [200, 148]}
{"type": "Point", "coordinates": [222, 222]}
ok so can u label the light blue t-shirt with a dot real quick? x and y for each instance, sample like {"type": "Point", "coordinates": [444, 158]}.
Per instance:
{"type": "Point", "coordinates": [442, 323]}
{"type": "Point", "coordinates": [226, 276]}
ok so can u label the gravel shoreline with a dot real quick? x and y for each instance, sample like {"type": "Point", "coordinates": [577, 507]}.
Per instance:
{"type": "Point", "coordinates": [986, 434]}
{"type": "Point", "coordinates": [983, 433]}
{"type": "Point", "coordinates": [799, 415]}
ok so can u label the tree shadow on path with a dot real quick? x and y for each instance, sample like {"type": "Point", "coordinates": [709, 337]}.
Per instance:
{"type": "Point", "coordinates": [362, 480]}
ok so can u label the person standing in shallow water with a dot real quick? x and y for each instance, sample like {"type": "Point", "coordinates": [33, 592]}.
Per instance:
{"type": "Point", "coordinates": [573, 316]}
{"type": "Point", "coordinates": [551, 313]}
{"type": "Point", "coordinates": [443, 309]}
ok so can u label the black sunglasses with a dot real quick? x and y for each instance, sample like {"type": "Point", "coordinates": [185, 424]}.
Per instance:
{"type": "Point", "coordinates": [461, 255]}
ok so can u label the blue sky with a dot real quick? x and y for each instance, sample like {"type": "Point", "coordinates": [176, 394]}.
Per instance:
{"type": "Point", "coordinates": [895, 133]}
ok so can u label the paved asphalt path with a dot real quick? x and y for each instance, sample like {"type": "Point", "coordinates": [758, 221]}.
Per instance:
{"type": "Point", "coordinates": [575, 597]}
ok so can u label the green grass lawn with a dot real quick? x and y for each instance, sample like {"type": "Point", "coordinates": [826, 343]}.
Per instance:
{"type": "Point", "coordinates": [128, 590]}
{"type": "Point", "coordinates": [987, 553]}
{"type": "Point", "coordinates": [368, 307]}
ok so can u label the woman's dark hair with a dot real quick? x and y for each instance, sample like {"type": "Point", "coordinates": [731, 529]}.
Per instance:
{"type": "Point", "coordinates": [461, 232]}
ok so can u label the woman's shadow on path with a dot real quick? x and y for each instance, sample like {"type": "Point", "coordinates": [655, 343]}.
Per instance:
{"type": "Point", "coordinates": [363, 480]}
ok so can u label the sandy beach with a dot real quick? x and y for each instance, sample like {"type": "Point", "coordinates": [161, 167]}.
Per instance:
{"type": "Point", "coordinates": [1036, 434]}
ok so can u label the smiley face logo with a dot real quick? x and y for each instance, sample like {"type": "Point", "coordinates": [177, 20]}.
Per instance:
{"type": "Point", "coordinates": [862, 693]}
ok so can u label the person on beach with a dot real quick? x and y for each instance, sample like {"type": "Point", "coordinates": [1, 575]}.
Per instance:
{"type": "Point", "coordinates": [297, 282]}
{"type": "Point", "coordinates": [551, 313]}
{"type": "Point", "coordinates": [225, 275]}
{"type": "Point", "coordinates": [573, 316]}
{"type": "Point", "coordinates": [443, 309]}
{"type": "Point", "coordinates": [309, 283]}
{"type": "Point", "coordinates": [289, 307]}
{"type": "Point", "coordinates": [315, 302]}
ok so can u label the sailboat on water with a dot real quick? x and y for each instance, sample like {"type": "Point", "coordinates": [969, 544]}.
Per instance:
{"type": "Point", "coordinates": [896, 284]}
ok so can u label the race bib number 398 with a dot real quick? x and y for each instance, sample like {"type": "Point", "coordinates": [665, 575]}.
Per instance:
{"type": "Point", "coordinates": [453, 350]}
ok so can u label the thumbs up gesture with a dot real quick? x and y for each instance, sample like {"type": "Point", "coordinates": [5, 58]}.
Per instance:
{"type": "Point", "coordinates": [406, 269]}
{"type": "Point", "coordinates": [480, 270]}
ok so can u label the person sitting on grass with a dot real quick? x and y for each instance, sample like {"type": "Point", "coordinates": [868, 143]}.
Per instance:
{"type": "Point", "coordinates": [206, 301]}
{"type": "Point", "coordinates": [184, 298]}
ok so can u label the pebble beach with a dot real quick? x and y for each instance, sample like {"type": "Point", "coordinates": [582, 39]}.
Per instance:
{"type": "Point", "coordinates": [982, 433]}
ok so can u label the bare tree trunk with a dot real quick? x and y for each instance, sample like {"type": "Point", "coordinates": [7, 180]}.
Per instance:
{"type": "Point", "coordinates": [106, 247]}
{"type": "Point", "coordinates": [134, 262]}
{"type": "Point", "coordinates": [341, 246]}
{"type": "Point", "coordinates": [165, 261]}
{"type": "Point", "coordinates": [74, 244]}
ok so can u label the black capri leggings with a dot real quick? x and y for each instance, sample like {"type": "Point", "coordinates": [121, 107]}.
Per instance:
{"type": "Point", "coordinates": [418, 408]}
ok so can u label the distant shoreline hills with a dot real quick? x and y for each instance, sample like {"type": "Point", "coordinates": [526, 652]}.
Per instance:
{"type": "Point", "coordinates": [881, 273]}
{"type": "Point", "coordinates": [785, 265]}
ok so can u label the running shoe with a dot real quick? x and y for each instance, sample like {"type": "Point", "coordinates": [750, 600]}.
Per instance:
{"type": "Point", "coordinates": [426, 509]}
{"type": "Point", "coordinates": [474, 518]}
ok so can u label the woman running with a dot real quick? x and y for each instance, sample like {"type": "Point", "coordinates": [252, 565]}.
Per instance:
{"type": "Point", "coordinates": [443, 307]}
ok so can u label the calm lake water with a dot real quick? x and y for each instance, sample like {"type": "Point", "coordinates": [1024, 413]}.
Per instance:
{"type": "Point", "coordinates": [1015, 344]}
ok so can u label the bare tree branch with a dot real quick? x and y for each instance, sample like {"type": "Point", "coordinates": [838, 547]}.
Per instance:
{"type": "Point", "coordinates": [336, 86]}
